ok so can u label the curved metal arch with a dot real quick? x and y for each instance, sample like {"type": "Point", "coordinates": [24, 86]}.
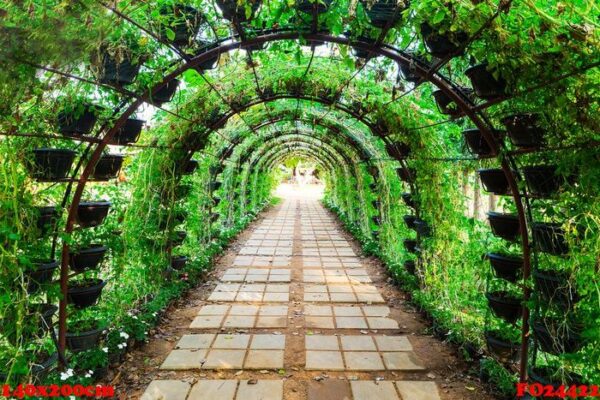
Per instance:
{"type": "Point", "coordinates": [444, 84]}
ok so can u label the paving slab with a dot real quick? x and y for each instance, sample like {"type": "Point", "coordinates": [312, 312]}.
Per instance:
{"type": "Point", "coordinates": [166, 390]}
{"type": "Point", "coordinates": [261, 390]}
{"type": "Point", "coordinates": [418, 390]}
{"type": "Point", "coordinates": [213, 390]}
{"type": "Point", "coordinates": [369, 390]}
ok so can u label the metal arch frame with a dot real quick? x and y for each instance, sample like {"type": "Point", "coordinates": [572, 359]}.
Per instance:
{"type": "Point", "coordinates": [445, 85]}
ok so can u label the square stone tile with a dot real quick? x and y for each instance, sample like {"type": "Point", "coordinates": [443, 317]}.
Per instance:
{"type": "Point", "coordinates": [243, 310]}
{"type": "Point", "coordinates": [166, 390]}
{"type": "Point", "coordinates": [368, 390]}
{"type": "Point", "coordinates": [350, 323]}
{"type": "Point", "coordinates": [276, 297]}
{"type": "Point", "coordinates": [316, 297]}
{"type": "Point", "coordinates": [418, 390]}
{"type": "Point", "coordinates": [340, 289]}
{"type": "Point", "coordinates": [253, 287]}
{"type": "Point", "coordinates": [271, 322]}
{"type": "Point", "coordinates": [363, 361]}
{"type": "Point", "coordinates": [213, 390]}
{"type": "Point", "coordinates": [201, 341]}
{"type": "Point", "coordinates": [370, 298]}
{"type": "Point", "coordinates": [381, 323]}
{"type": "Point", "coordinates": [273, 311]}
{"type": "Point", "coordinates": [358, 343]}
{"type": "Point", "coordinates": [376, 311]}
{"type": "Point", "coordinates": [227, 287]}
{"type": "Point", "coordinates": [343, 297]}
{"type": "Point", "coordinates": [266, 341]}
{"type": "Point", "coordinates": [346, 311]}
{"type": "Point", "coordinates": [238, 321]}
{"type": "Point", "coordinates": [321, 342]}
{"type": "Point", "coordinates": [319, 322]}
{"type": "Point", "coordinates": [207, 322]}
{"type": "Point", "coordinates": [317, 311]}
{"type": "Point", "coordinates": [268, 359]}
{"type": "Point", "coordinates": [324, 360]}
{"type": "Point", "coordinates": [213, 310]}
{"type": "Point", "coordinates": [222, 296]}
{"type": "Point", "coordinates": [184, 359]}
{"type": "Point", "coordinates": [262, 390]}
{"type": "Point", "coordinates": [393, 343]}
{"type": "Point", "coordinates": [315, 289]}
{"type": "Point", "coordinates": [249, 296]}
{"type": "Point", "coordinates": [401, 361]}
{"type": "Point", "coordinates": [231, 341]}
{"type": "Point", "coordinates": [224, 359]}
{"type": "Point", "coordinates": [329, 389]}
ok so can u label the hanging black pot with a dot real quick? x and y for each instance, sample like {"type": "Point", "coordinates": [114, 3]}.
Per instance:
{"type": "Point", "coordinates": [216, 119]}
{"type": "Point", "coordinates": [398, 150]}
{"type": "Point", "coordinates": [524, 130]}
{"type": "Point", "coordinates": [506, 226]}
{"type": "Point", "coordinates": [45, 312]}
{"type": "Point", "coordinates": [120, 73]}
{"type": "Point", "coordinates": [108, 167]}
{"type": "Point", "coordinates": [51, 164]}
{"type": "Point", "coordinates": [476, 142]}
{"type": "Point", "coordinates": [422, 228]}
{"type": "Point", "coordinates": [507, 267]}
{"type": "Point", "coordinates": [178, 238]}
{"type": "Point", "coordinates": [408, 71]}
{"type": "Point", "coordinates": [234, 11]}
{"type": "Point", "coordinates": [406, 174]}
{"type": "Point", "coordinates": [446, 105]}
{"type": "Point", "coordinates": [85, 293]}
{"type": "Point", "coordinates": [550, 238]}
{"type": "Point", "coordinates": [191, 166]}
{"type": "Point", "coordinates": [184, 21]}
{"type": "Point", "coordinates": [178, 262]}
{"type": "Point", "coordinates": [92, 213]}
{"type": "Point", "coordinates": [78, 122]}
{"type": "Point", "coordinates": [542, 180]}
{"type": "Point", "coordinates": [408, 200]}
{"type": "Point", "coordinates": [410, 245]}
{"type": "Point", "coordinates": [443, 45]}
{"type": "Point", "coordinates": [376, 219]}
{"type": "Point", "coordinates": [216, 200]}
{"type": "Point", "coordinates": [556, 336]}
{"type": "Point", "coordinates": [554, 287]}
{"type": "Point", "coordinates": [215, 169]}
{"type": "Point", "coordinates": [212, 61]}
{"type": "Point", "coordinates": [504, 306]}
{"type": "Point", "coordinates": [485, 85]}
{"type": "Point", "coordinates": [320, 7]}
{"type": "Point", "coordinates": [384, 13]}
{"type": "Point", "coordinates": [215, 185]}
{"type": "Point", "coordinates": [42, 367]}
{"type": "Point", "coordinates": [501, 348]}
{"type": "Point", "coordinates": [40, 273]}
{"type": "Point", "coordinates": [409, 220]}
{"type": "Point", "coordinates": [494, 181]}
{"type": "Point", "coordinates": [87, 258]}
{"type": "Point", "coordinates": [47, 219]}
{"type": "Point", "coordinates": [410, 266]}
{"type": "Point", "coordinates": [128, 133]}
{"type": "Point", "coordinates": [545, 376]}
{"type": "Point", "coordinates": [164, 94]}
{"type": "Point", "coordinates": [82, 341]}
{"type": "Point", "coordinates": [360, 52]}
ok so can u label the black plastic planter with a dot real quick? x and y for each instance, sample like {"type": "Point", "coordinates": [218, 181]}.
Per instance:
{"type": "Point", "coordinates": [408, 200]}
{"type": "Point", "coordinates": [554, 287]}
{"type": "Point", "coordinates": [504, 306]}
{"type": "Point", "coordinates": [51, 164]}
{"type": "Point", "coordinates": [85, 293]}
{"type": "Point", "coordinates": [544, 376]}
{"type": "Point", "coordinates": [376, 219]}
{"type": "Point", "coordinates": [506, 226]}
{"type": "Point", "coordinates": [406, 174]}
{"type": "Point", "coordinates": [115, 73]}
{"type": "Point", "coordinates": [398, 150]}
{"type": "Point", "coordinates": [477, 143]}
{"type": "Point", "coordinates": [500, 348]}
{"type": "Point", "coordinates": [373, 186]}
{"type": "Point", "coordinates": [442, 46]}
{"type": "Point", "coordinates": [216, 185]}
{"type": "Point", "coordinates": [422, 228]}
{"type": "Point", "coordinates": [92, 213]}
{"type": "Point", "coordinates": [40, 273]}
{"type": "Point", "coordinates": [409, 220]}
{"type": "Point", "coordinates": [542, 180]}
{"type": "Point", "coordinates": [190, 167]}
{"type": "Point", "coordinates": [233, 11]}
{"type": "Point", "coordinates": [78, 122]}
{"type": "Point", "coordinates": [376, 204]}
{"type": "Point", "coordinates": [494, 181]}
{"type": "Point", "coordinates": [214, 217]}
{"type": "Point", "coordinates": [410, 266]}
{"type": "Point", "coordinates": [410, 245]}
{"type": "Point", "coordinates": [550, 238]}
{"type": "Point", "coordinates": [485, 85]}
{"type": "Point", "coordinates": [556, 336]}
{"type": "Point", "coordinates": [129, 133]}
{"type": "Point", "coordinates": [383, 13]}
{"type": "Point", "coordinates": [83, 341]}
{"type": "Point", "coordinates": [178, 262]}
{"type": "Point", "coordinates": [506, 267]}
{"type": "Point", "coordinates": [445, 103]}
{"type": "Point", "coordinates": [524, 130]}
{"type": "Point", "coordinates": [184, 21]}
{"type": "Point", "coordinates": [42, 367]}
{"type": "Point", "coordinates": [164, 94]}
{"type": "Point", "coordinates": [46, 312]}
{"type": "Point", "coordinates": [47, 218]}
{"type": "Point", "coordinates": [108, 167]}
{"type": "Point", "coordinates": [216, 200]}
{"type": "Point", "coordinates": [87, 258]}
{"type": "Point", "coordinates": [215, 170]}
{"type": "Point", "coordinates": [319, 7]}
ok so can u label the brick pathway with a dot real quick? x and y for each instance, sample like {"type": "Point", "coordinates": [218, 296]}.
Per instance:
{"type": "Point", "coordinates": [295, 298]}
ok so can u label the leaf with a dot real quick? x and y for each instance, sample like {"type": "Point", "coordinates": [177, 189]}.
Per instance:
{"type": "Point", "coordinates": [438, 17]}
{"type": "Point", "coordinates": [170, 34]}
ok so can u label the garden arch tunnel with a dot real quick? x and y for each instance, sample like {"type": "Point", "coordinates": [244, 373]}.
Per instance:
{"type": "Point", "coordinates": [353, 148]}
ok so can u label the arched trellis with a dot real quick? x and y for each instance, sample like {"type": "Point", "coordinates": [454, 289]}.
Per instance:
{"type": "Point", "coordinates": [451, 90]}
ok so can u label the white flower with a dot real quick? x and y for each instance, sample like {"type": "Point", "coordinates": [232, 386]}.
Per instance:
{"type": "Point", "coordinates": [120, 346]}
{"type": "Point", "coordinates": [105, 349]}
{"type": "Point", "coordinates": [135, 317]}
{"type": "Point", "coordinates": [66, 375]}
{"type": "Point", "coordinates": [124, 335]}
{"type": "Point", "coordinates": [88, 375]}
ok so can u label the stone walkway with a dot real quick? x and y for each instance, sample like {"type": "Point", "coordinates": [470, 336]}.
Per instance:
{"type": "Point", "coordinates": [296, 300]}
